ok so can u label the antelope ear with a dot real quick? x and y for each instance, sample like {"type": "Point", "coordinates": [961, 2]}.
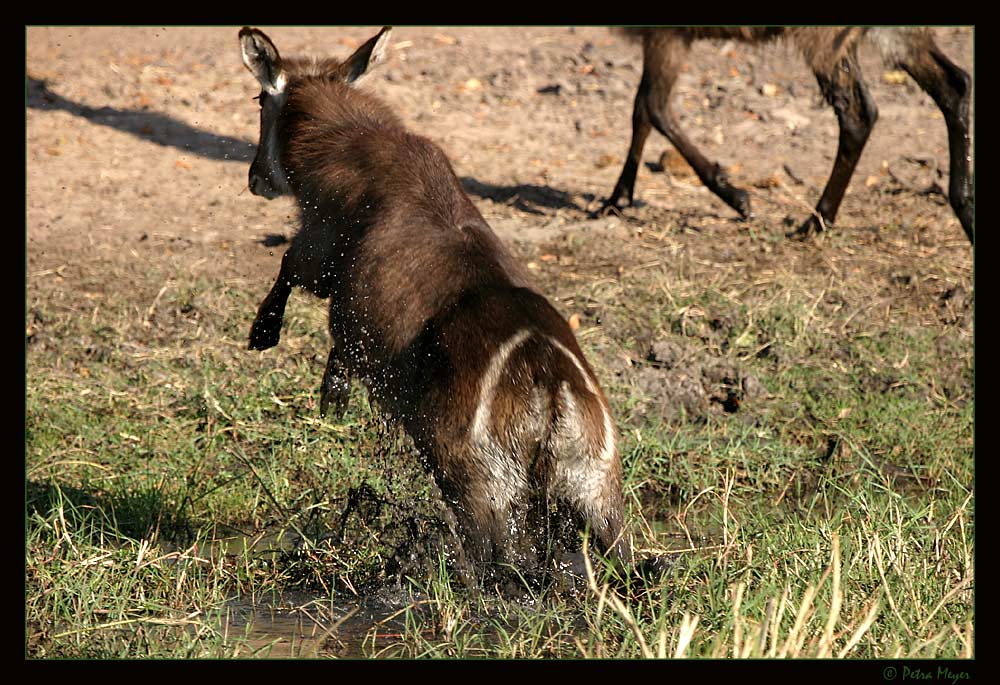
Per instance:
{"type": "Point", "coordinates": [367, 56]}
{"type": "Point", "coordinates": [262, 59]}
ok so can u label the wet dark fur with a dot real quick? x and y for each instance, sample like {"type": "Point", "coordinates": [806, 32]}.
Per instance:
{"type": "Point", "coordinates": [422, 295]}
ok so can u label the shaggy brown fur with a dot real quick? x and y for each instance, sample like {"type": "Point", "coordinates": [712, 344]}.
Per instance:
{"type": "Point", "coordinates": [435, 316]}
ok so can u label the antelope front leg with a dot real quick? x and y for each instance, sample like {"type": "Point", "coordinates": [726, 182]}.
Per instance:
{"type": "Point", "coordinates": [335, 387]}
{"type": "Point", "coordinates": [266, 329]}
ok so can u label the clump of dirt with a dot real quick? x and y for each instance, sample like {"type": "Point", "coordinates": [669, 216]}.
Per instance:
{"type": "Point", "coordinates": [955, 305]}
{"type": "Point", "coordinates": [678, 383]}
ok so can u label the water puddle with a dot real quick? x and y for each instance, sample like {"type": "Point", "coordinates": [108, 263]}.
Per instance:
{"type": "Point", "coordinates": [297, 625]}
{"type": "Point", "coordinates": [300, 624]}
{"type": "Point", "coordinates": [303, 625]}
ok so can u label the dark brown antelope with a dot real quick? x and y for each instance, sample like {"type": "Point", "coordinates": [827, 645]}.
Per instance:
{"type": "Point", "coordinates": [831, 53]}
{"type": "Point", "coordinates": [433, 314]}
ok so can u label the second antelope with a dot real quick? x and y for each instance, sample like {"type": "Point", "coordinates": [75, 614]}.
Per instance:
{"type": "Point", "coordinates": [831, 53]}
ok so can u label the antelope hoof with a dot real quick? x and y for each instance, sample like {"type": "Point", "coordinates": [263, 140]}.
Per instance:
{"type": "Point", "coordinates": [613, 205]}
{"type": "Point", "coordinates": [742, 204]}
{"type": "Point", "coordinates": [737, 198]}
{"type": "Point", "coordinates": [264, 334]}
{"type": "Point", "coordinates": [652, 568]}
{"type": "Point", "coordinates": [809, 227]}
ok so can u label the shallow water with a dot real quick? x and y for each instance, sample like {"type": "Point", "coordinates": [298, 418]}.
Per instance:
{"type": "Point", "coordinates": [304, 625]}
{"type": "Point", "coordinates": [298, 625]}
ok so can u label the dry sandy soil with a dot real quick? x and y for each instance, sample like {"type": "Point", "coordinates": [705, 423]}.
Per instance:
{"type": "Point", "coordinates": [138, 139]}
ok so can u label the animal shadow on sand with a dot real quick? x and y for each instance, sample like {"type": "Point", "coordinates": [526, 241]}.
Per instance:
{"type": "Point", "coordinates": [152, 126]}
{"type": "Point", "coordinates": [526, 197]}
